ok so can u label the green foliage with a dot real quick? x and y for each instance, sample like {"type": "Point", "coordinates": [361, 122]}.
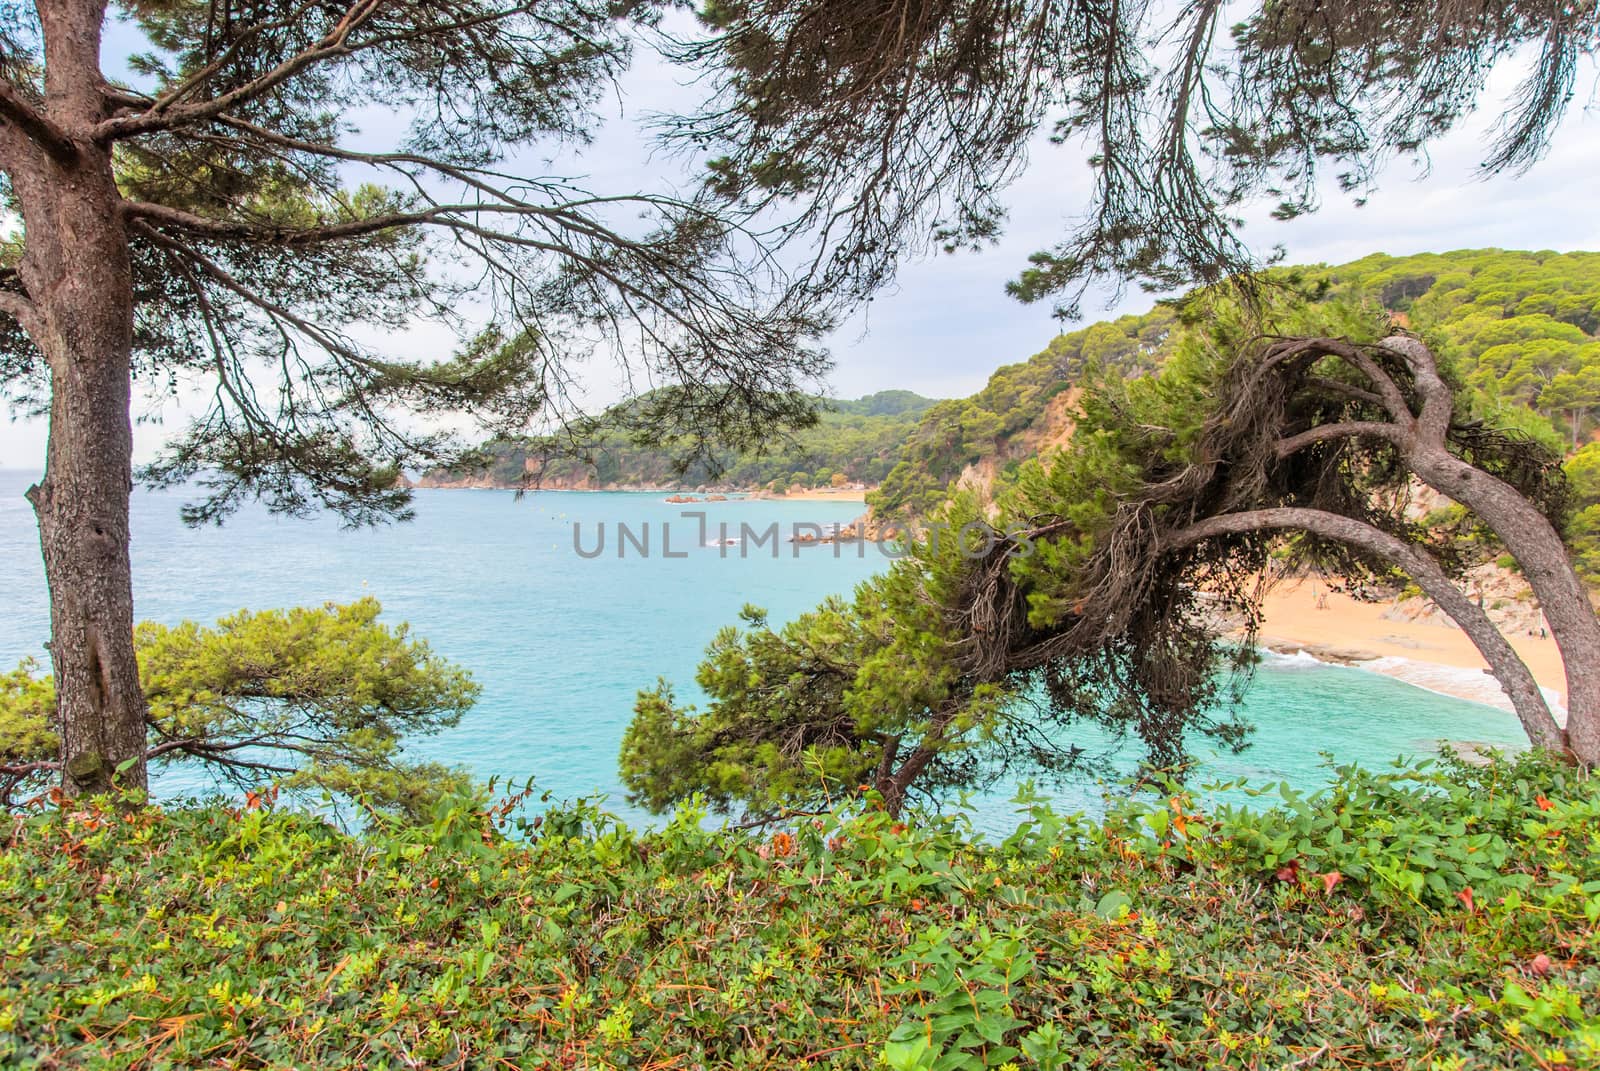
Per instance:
{"type": "Point", "coordinates": [1186, 115]}
{"type": "Point", "coordinates": [801, 714]}
{"type": "Point", "coordinates": [274, 221]}
{"type": "Point", "coordinates": [873, 692]}
{"type": "Point", "coordinates": [1129, 427]}
{"type": "Point", "coordinates": [1518, 329]}
{"type": "Point", "coordinates": [314, 699]}
{"type": "Point", "coordinates": [1583, 523]}
{"type": "Point", "coordinates": [1083, 621]}
{"type": "Point", "coordinates": [27, 702]}
{"type": "Point", "coordinates": [1425, 917]}
{"type": "Point", "coordinates": [885, 403]}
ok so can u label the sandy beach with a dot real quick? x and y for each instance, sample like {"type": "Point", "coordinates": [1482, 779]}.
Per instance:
{"type": "Point", "coordinates": [1337, 628]}
{"type": "Point", "coordinates": [823, 495]}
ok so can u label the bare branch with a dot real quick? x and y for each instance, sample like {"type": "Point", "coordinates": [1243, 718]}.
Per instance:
{"type": "Point", "coordinates": [28, 769]}
{"type": "Point", "coordinates": [1371, 429]}
{"type": "Point", "coordinates": [1394, 400]}
{"type": "Point", "coordinates": [289, 237]}
{"type": "Point", "coordinates": [21, 309]}
{"type": "Point", "coordinates": [165, 113]}
{"type": "Point", "coordinates": [191, 84]}
{"type": "Point", "coordinates": [1349, 390]}
{"type": "Point", "coordinates": [33, 123]}
{"type": "Point", "coordinates": [1437, 401]}
{"type": "Point", "coordinates": [220, 275]}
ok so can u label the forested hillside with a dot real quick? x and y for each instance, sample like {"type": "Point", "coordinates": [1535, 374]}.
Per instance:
{"type": "Point", "coordinates": [856, 440]}
{"type": "Point", "coordinates": [1520, 327]}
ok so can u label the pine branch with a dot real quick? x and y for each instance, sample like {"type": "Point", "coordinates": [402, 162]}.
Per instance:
{"type": "Point", "coordinates": [34, 124]}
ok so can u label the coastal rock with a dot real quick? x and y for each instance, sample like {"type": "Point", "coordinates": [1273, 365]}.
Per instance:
{"type": "Point", "coordinates": [1343, 656]}
{"type": "Point", "coordinates": [865, 528]}
{"type": "Point", "coordinates": [477, 482]}
{"type": "Point", "coordinates": [1503, 594]}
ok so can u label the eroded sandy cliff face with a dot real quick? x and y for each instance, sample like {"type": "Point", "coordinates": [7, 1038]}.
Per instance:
{"type": "Point", "coordinates": [1050, 432]}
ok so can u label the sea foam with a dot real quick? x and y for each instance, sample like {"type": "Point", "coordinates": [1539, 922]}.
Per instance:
{"type": "Point", "coordinates": [1475, 684]}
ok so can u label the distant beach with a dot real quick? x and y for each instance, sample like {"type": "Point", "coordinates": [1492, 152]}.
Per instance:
{"type": "Point", "coordinates": [832, 494]}
{"type": "Point", "coordinates": [1442, 659]}
{"type": "Point", "coordinates": [822, 495]}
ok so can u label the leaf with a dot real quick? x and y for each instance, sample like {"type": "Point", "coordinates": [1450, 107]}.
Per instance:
{"type": "Point", "coordinates": [992, 1028]}
{"type": "Point", "coordinates": [1113, 904]}
{"type": "Point", "coordinates": [914, 1054]}
{"type": "Point", "coordinates": [958, 1061]}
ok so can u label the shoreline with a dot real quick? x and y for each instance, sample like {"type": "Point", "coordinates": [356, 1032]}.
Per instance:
{"type": "Point", "coordinates": [815, 495]}
{"type": "Point", "coordinates": [1306, 618]}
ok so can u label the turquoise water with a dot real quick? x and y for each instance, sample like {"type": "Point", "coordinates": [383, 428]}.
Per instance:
{"type": "Point", "coordinates": [561, 643]}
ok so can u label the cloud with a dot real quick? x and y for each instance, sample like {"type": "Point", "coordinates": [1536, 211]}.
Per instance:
{"type": "Point", "coordinates": [948, 324]}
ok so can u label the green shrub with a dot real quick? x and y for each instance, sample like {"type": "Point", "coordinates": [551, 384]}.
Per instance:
{"type": "Point", "coordinates": [1437, 916]}
{"type": "Point", "coordinates": [324, 696]}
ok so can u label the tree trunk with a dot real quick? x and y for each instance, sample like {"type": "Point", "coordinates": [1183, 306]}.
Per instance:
{"type": "Point", "coordinates": [78, 278]}
{"type": "Point", "coordinates": [1542, 554]}
{"type": "Point", "coordinates": [1516, 680]}
{"type": "Point", "coordinates": [895, 786]}
{"type": "Point", "coordinates": [895, 789]}
{"type": "Point", "coordinates": [1529, 536]}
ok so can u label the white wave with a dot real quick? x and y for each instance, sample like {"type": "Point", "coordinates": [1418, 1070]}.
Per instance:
{"type": "Point", "coordinates": [1459, 681]}
{"type": "Point", "coordinates": [1297, 660]}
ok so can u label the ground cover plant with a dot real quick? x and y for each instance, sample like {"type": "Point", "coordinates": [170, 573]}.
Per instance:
{"type": "Point", "coordinates": [1442, 916]}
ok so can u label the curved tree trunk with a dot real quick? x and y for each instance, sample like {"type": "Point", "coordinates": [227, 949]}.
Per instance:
{"type": "Point", "coordinates": [77, 306]}
{"type": "Point", "coordinates": [1542, 554]}
{"type": "Point", "coordinates": [1515, 678]}
{"type": "Point", "coordinates": [1527, 534]}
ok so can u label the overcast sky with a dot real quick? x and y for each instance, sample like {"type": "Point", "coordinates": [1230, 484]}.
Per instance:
{"type": "Point", "coordinates": [948, 323]}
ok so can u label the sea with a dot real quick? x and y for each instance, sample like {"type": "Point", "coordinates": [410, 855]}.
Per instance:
{"type": "Point", "coordinates": [563, 618]}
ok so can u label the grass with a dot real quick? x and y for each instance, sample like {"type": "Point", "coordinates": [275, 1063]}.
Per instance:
{"type": "Point", "coordinates": [1435, 917]}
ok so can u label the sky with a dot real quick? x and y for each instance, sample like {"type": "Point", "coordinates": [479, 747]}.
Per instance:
{"type": "Point", "coordinates": [947, 323]}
